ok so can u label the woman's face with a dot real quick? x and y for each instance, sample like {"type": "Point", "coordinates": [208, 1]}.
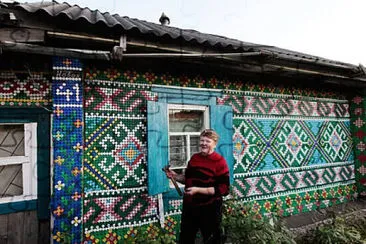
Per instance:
{"type": "Point", "coordinates": [207, 145]}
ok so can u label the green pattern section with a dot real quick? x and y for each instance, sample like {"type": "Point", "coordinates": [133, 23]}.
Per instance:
{"type": "Point", "coordinates": [305, 201]}
{"type": "Point", "coordinates": [115, 152]}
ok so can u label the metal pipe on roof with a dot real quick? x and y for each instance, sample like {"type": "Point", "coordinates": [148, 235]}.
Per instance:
{"type": "Point", "coordinates": [192, 55]}
{"type": "Point", "coordinates": [179, 50]}
{"type": "Point", "coordinates": [104, 55]}
{"type": "Point", "coordinates": [78, 36]}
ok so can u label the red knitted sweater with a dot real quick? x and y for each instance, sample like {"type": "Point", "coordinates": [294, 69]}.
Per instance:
{"type": "Point", "coordinates": [207, 171]}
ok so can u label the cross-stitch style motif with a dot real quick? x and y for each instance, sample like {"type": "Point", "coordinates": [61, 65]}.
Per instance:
{"type": "Point", "coordinates": [287, 144]}
{"type": "Point", "coordinates": [253, 103]}
{"type": "Point", "coordinates": [67, 135]}
{"type": "Point", "coordinates": [24, 90]}
{"type": "Point", "coordinates": [115, 152]}
{"type": "Point", "coordinates": [267, 144]}
{"type": "Point", "coordinates": [115, 156]}
{"type": "Point", "coordinates": [358, 125]}
{"type": "Point", "coordinates": [292, 149]}
{"type": "Point", "coordinates": [263, 185]}
{"type": "Point", "coordinates": [117, 97]}
{"type": "Point", "coordinates": [106, 210]}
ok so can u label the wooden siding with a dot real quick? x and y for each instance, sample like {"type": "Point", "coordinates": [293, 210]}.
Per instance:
{"type": "Point", "coordinates": [23, 227]}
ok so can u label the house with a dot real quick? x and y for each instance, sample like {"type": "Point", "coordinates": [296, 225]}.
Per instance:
{"type": "Point", "coordinates": [86, 100]}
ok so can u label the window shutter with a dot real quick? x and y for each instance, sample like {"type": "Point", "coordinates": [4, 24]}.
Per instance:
{"type": "Point", "coordinates": [221, 118]}
{"type": "Point", "coordinates": [157, 132]}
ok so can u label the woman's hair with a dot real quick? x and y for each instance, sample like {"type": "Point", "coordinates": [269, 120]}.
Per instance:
{"type": "Point", "coordinates": [210, 134]}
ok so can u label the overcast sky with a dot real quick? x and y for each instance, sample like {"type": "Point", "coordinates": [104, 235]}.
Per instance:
{"type": "Point", "coordinates": [333, 29]}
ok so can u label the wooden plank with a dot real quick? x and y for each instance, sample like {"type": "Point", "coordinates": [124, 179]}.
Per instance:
{"type": "Point", "coordinates": [4, 228]}
{"type": "Point", "coordinates": [44, 232]}
{"type": "Point", "coordinates": [31, 227]}
{"type": "Point", "coordinates": [21, 35]}
{"type": "Point", "coordinates": [16, 228]}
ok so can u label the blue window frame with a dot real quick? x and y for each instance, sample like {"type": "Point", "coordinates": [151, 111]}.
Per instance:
{"type": "Point", "coordinates": [157, 124]}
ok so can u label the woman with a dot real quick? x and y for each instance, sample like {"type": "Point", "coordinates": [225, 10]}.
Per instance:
{"type": "Point", "coordinates": [206, 180]}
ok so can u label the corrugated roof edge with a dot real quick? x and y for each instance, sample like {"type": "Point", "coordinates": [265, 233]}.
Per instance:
{"type": "Point", "coordinates": [76, 12]}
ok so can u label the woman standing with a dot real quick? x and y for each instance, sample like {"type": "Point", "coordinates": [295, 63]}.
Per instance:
{"type": "Point", "coordinates": [206, 180]}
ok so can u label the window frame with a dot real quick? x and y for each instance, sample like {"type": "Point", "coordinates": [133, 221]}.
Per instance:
{"type": "Point", "coordinates": [186, 135]}
{"type": "Point", "coordinates": [28, 162]}
{"type": "Point", "coordinates": [42, 117]}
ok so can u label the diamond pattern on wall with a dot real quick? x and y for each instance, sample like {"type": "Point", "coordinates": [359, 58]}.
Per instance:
{"type": "Point", "coordinates": [274, 144]}
{"type": "Point", "coordinates": [115, 152]}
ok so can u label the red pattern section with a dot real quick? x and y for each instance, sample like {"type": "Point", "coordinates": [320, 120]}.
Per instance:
{"type": "Point", "coordinates": [358, 126]}
{"type": "Point", "coordinates": [279, 106]}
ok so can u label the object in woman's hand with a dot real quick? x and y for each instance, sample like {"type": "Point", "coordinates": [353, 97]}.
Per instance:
{"type": "Point", "coordinates": [166, 169]}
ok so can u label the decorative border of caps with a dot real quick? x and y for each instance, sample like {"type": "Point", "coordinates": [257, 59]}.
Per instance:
{"type": "Point", "coordinates": [67, 134]}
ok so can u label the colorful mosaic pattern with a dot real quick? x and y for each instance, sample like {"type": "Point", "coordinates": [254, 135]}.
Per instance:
{"type": "Point", "coordinates": [67, 135]}
{"type": "Point", "coordinates": [184, 80]}
{"type": "Point", "coordinates": [292, 148]}
{"type": "Point", "coordinates": [358, 125]}
{"type": "Point", "coordinates": [118, 209]}
{"type": "Point", "coordinates": [115, 174]}
{"type": "Point", "coordinates": [278, 105]}
{"type": "Point", "coordinates": [262, 185]}
{"type": "Point", "coordinates": [24, 89]}
{"type": "Point", "coordinates": [286, 145]}
{"type": "Point", "coordinates": [269, 144]}
{"type": "Point", "coordinates": [305, 201]}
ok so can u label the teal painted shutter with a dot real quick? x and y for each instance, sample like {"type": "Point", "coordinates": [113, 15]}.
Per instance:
{"type": "Point", "coordinates": [157, 149]}
{"type": "Point", "coordinates": [221, 118]}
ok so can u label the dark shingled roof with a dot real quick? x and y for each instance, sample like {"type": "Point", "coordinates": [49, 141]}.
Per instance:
{"type": "Point", "coordinates": [112, 20]}
{"type": "Point", "coordinates": [75, 13]}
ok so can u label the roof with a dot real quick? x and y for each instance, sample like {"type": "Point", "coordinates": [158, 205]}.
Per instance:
{"type": "Point", "coordinates": [77, 13]}
{"type": "Point", "coordinates": [74, 12]}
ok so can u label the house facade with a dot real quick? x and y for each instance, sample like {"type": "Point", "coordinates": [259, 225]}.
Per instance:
{"type": "Point", "coordinates": [93, 106]}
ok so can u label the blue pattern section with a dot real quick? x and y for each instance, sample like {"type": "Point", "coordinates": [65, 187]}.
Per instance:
{"type": "Point", "coordinates": [314, 126]}
{"type": "Point", "coordinates": [268, 144]}
{"type": "Point", "coordinates": [67, 135]}
{"type": "Point", "coordinates": [270, 163]}
{"type": "Point", "coordinates": [266, 125]}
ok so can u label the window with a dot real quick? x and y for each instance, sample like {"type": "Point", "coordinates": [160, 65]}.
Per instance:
{"type": "Point", "coordinates": [18, 157]}
{"type": "Point", "coordinates": [25, 151]}
{"type": "Point", "coordinates": [183, 100]}
{"type": "Point", "coordinates": [185, 125]}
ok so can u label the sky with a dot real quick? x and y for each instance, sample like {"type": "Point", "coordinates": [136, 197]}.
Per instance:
{"type": "Point", "coordinates": [333, 29]}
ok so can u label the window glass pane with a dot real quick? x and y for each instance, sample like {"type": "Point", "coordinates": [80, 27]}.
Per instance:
{"type": "Point", "coordinates": [177, 151]}
{"type": "Point", "coordinates": [11, 140]}
{"type": "Point", "coordinates": [186, 120]}
{"type": "Point", "coordinates": [195, 144]}
{"type": "Point", "coordinates": [11, 183]}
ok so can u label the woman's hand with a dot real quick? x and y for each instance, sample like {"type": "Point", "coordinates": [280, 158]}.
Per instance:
{"type": "Point", "coordinates": [170, 173]}
{"type": "Point", "coordinates": [199, 190]}
{"type": "Point", "coordinates": [192, 191]}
